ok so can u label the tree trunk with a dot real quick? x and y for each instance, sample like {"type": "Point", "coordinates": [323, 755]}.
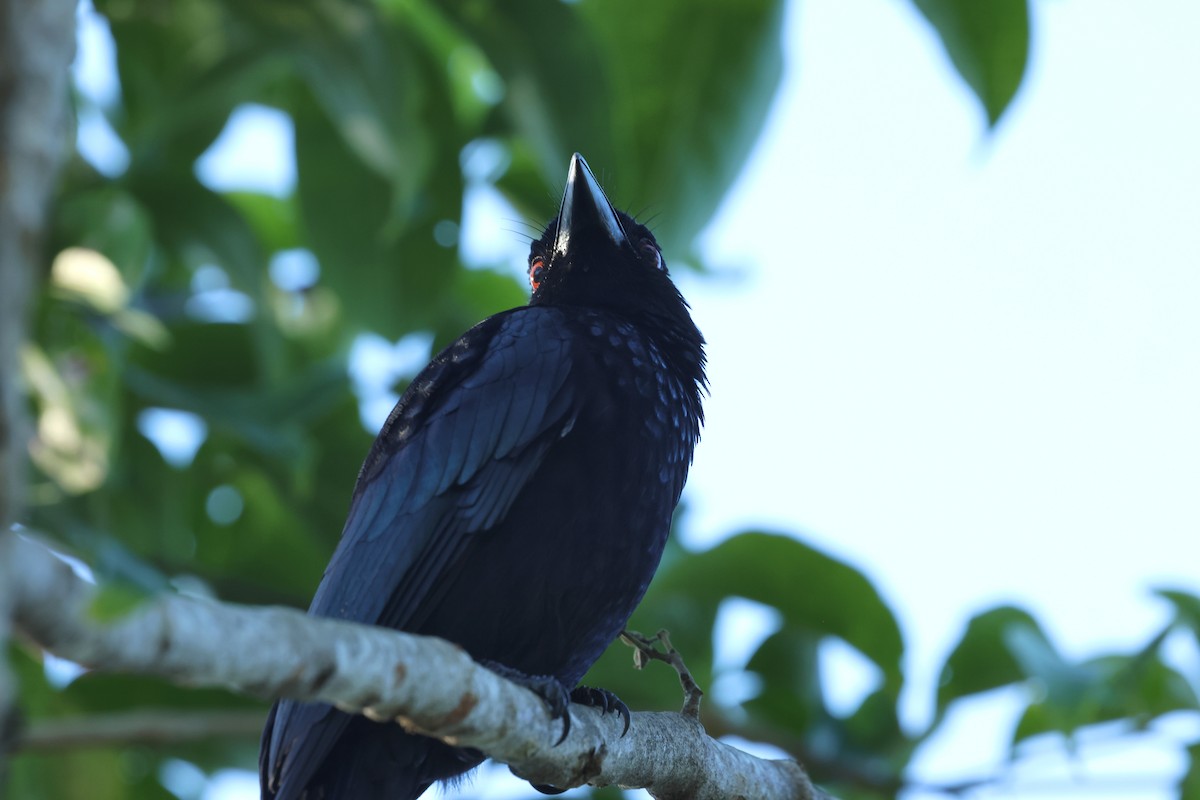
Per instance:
{"type": "Point", "coordinates": [37, 43]}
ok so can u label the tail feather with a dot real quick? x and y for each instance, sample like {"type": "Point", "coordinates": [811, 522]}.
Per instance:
{"type": "Point", "coordinates": [362, 760]}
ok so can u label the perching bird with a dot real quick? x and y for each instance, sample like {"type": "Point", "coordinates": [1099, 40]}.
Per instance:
{"type": "Point", "coordinates": [518, 498]}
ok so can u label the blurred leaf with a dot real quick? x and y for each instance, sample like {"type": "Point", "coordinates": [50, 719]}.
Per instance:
{"type": "Point", "coordinates": [1137, 688]}
{"type": "Point", "coordinates": [387, 270]}
{"type": "Point", "coordinates": [114, 600]}
{"type": "Point", "coordinates": [875, 726]}
{"type": "Point", "coordinates": [270, 420]}
{"type": "Point", "coordinates": [474, 84]}
{"type": "Point", "coordinates": [112, 221]}
{"type": "Point", "coordinates": [72, 390]}
{"type": "Point", "coordinates": [360, 72]}
{"type": "Point", "coordinates": [272, 219]}
{"type": "Point", "coordinates": [203, 354]}
{"type": "Point", "coordinates": [1038, 718]}
{"type": "Point", "coordinates": [816, 593]}
{"type": "Point", "coordinates": [524, 182]}
{"type": "Point", "coordinates": [1037, 657]}
{"type": "Point", "coordinates": [203, 227]}
{"type": "Point", "coordinates": [557, 96]}
{"type": "Point", "coordinates": [1187, 607]}
{"type": "Point", "coordinates": [988, 43]}
{"type": "Point", "coordinates": [982, 659]}
{"type": "Point", "coordinates": [91, 774]}
{"type": "Point", "coordinates": [792, 696]}
{"type": "Point", "coordinates": [675, 142]}
{"type": "Point", "coordinates": [1189, 786]}
{"type": "Point", "coordinates": [690, 87]}
{"type": "Point", "coordinates": [37, 697]}
{"type": "Point", "coordinates": [1141, 687]}
{"type": "Point", "coordinates": [479, 293]}
{"type": "Point", "coordinates": [249, 547]}
{"type": "Point", "coordinates": [98, 692]}
{"type": "Point", "coordinates": [118, 773]}
{"type": "Point", "coordinates": [183, 68]}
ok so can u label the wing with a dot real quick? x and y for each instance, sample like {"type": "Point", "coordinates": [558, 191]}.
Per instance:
{"type": "Point", "coordinates": [448, 463]}
{"type": "Point", "coordinates": [455, 452]}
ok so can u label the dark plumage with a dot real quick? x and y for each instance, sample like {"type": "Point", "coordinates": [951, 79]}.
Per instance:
{"type": "Point", "coordinates": [518, 498]}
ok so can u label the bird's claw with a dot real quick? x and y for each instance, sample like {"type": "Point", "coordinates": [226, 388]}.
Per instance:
{"type": "Point", "coordinates": [604, 700]}
{"type": "Point", "coordinates": [558, 698]}
{"type": "Point", "coordinates": [551, 690]}
{"type": "Point", "coordinates": [592, 697]}
{"type": "Point", "coordinates": [546, 788]}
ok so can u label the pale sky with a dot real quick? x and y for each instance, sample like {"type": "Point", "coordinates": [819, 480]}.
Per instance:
{"type": "Point", "coordinates": [965, 363]}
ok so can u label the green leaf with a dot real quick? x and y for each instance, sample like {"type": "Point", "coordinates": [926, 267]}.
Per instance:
{"type": "Point", "coordinates": [361, 73]}
{"type": "Point", "coordinates": [816, 593]}
{"type": "Point", "coordinates": [270, 420]}
{"type": "Point", "coordinates": [1187, 607]}
{"type": "Point", "coordinates": [110, 220]}
{"type": "Point", "coordinates": [473, 82]}
{"type": "Point", "coordinates": [557, 97]}
{"type": "Point", "coordinates": [479, 293]}
{"type": "Point", "coordinates": [1189, 787]}
{"type": "Point", "coordinates": [202, 226]}
{"type": "Point", "coordinates": [385, 267]}
{"type": "Point", "coordinates": [114, 600]}
{"type": "Point", "coordinates": [690, 87]}
{"type": "Point", "coordinates": [249, 546]}
{"type": "Point", "coordinates": [665, 111]}
{"type": "Point", "coordinates": [91, 774]}
{"type": "Point", "coordinates": [182, 71]}
{"type": "Point", "coordinates": [1141, 687]}
{"type": "Point", "coordinates": [205, 354]}
{"type": "Point", "coordinates": [272, 219]}
{"type": "Point", "coordinates": [988, 43]}
{"type": "Point", "coordinates": [37, 697]}
{"type": "Point", "coordinates": [792, 697]}
{"type": "Point", "coordinates": [983, 659]}
{"type": "Point", "coordinates": [120, 773]}
{"type": "Point", "coordinates": [1136, 687]}
{"type": "Point", "coordinates": [875, 726]}
{"type": "Point", "coordinates": [1036, 655]}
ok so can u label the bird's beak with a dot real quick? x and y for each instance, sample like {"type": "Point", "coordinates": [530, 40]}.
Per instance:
{"type": "Point", "coordinates": [585, 207]}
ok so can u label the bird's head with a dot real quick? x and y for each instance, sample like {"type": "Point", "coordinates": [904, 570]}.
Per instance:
{"type": "Point", "coordinates": [595, 256]}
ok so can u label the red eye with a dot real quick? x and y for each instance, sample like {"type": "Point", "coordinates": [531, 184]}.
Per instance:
{"type": "Point", "coordinates": [651, 253]}
{"type": "Point", "coordinates": [537, 271]}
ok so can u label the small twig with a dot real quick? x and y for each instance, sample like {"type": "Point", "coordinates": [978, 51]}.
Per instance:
{"type": "Point", "coordinates": [9, 716]}
{"type": "Point", "coordinates": [644, 651]}
{"type": "Point", "coordinates": [148, 726]}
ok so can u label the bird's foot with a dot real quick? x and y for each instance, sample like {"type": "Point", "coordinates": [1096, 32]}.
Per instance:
{"type": "Point", "coordinates": [592, 697]}
{"type": "Point", "coordinates": [551, 690]}
{"type": "Point", "coordinates": [603, 699]}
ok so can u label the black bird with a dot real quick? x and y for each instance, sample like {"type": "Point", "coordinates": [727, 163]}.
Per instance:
{"type": "Point", "coordinates": [518, 498]}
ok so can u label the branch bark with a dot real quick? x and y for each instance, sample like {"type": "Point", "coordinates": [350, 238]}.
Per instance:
{"type": "Point", "coordinates": [37, 42]}
{"type": "Point", "coordinates": [427, 685]}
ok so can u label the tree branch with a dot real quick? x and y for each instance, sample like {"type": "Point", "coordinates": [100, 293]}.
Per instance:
{"type": "Point", "coordinates": [427, 685]}
{"type": "Point", "coordinates": [8, 688]}
{"type": "Point", "coordinates": [147, 726]}
{"type": "Point", "coordinates": [37, 40]}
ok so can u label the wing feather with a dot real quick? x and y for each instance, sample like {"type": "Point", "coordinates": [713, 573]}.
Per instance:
{"type": "Point", "coordinates": [458, 449]}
